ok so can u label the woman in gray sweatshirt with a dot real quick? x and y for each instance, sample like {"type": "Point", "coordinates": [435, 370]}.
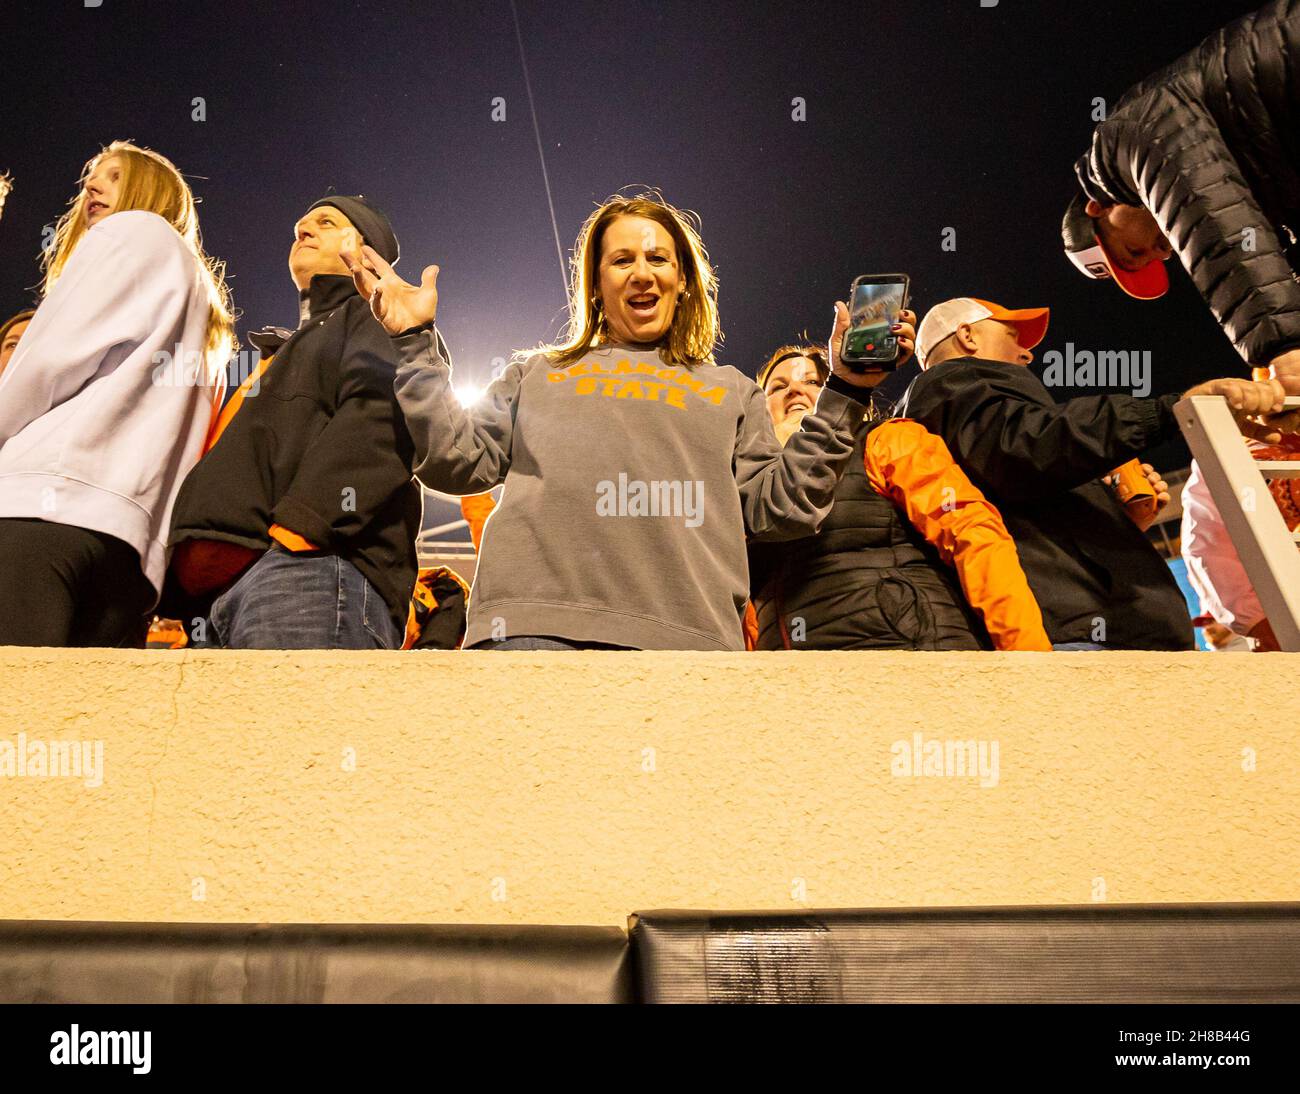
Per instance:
{"type": "Point", "coordinates": [635, 468]}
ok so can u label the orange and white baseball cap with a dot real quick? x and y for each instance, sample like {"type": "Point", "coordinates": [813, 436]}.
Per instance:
{"type": "Point", "coordinates": [942, 321]}
{"type": "Point", "coordinates": [1083, 247]}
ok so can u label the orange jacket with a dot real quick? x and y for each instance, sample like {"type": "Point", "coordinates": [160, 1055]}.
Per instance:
{"type": "Point", "coordinates": [437, 589]}
{"type": "Point", "coordinates": [476, 508]}
{"type": "Point", "coordinates": [749, 625]}
{"type": "Point", "coordinates": [912, 467]}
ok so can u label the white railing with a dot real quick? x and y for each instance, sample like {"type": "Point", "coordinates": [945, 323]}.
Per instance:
{"type": "Point", "coordinates": [1266, 547]}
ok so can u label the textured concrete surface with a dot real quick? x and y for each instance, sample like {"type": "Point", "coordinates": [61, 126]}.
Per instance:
{"type": "Point", "coordinates": [558, 788]}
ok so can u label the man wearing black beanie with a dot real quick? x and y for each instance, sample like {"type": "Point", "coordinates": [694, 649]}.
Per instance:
{"type": "Point", "coordinates": [370, 222]}
{"type": "Point", "coordinates": [297, 528]}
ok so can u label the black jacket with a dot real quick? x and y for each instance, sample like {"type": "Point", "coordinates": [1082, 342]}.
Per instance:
{"type": "Point", "coordinates": [1211, 146]}
{"type": "Point", "coordinates": [867, 581]}
{"type": "Point", "coordinates": [1040, 463]}
{"type": "Point", "coordinates": [321, 449]}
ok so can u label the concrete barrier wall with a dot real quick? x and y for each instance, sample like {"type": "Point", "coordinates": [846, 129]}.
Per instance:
{"type": "Point", "coordinates": [558, 788]}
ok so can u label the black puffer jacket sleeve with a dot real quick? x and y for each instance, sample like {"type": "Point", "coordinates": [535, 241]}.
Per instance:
{"type": "Point", "coordinates": [1197, 145]}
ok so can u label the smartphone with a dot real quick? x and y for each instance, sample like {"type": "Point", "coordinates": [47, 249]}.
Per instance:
{"type": "Point", "coordinates": [874, 303]}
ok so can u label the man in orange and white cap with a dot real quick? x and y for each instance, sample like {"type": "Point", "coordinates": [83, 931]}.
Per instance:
{"type": "Point", "coordinates": [1108, 240]}
{"type": "Point", "coordinates": [1099, 582]}
{"type": "Point", "coordinates": [969, 327]}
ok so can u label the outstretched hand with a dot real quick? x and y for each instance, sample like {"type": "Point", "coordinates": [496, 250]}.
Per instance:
{"type": "Point", "coordinates": [1257, 405]}
{"type": "Point", "coordinates": [397, 304]}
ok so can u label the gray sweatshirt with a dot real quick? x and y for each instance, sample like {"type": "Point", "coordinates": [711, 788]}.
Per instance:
{"type": "Point", "coordinates": [630, 489]}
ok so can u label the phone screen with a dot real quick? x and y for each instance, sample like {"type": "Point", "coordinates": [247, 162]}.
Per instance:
{"type": "Point", "coordinates": [872, 312]}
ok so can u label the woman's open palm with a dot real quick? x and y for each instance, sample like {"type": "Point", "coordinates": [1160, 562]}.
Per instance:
{"type": "Point", "coordinates": [397, 304]}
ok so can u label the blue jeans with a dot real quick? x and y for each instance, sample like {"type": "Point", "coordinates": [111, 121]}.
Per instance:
{"type": "Point", "coordinates": [287, 601]}
{"type": "Point", "coordinates": [1078, 646]}
{"type": "Point", "coordinates": [541, 642]}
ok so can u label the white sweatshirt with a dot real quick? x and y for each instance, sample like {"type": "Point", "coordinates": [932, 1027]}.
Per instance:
{"type": "Point", "coordinates": [1213, 566]}
{"type": "Point", "coordinates": [104, 407]}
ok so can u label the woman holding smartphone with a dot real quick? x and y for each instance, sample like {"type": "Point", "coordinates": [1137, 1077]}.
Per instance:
{"type": "Point", "coordinates": [635, 467]}
{"type": "Point", "coordinates": [105, 405]}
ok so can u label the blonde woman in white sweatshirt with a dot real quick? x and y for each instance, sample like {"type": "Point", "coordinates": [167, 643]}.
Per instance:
{"type": "Point", "coordinates": [105, 406]}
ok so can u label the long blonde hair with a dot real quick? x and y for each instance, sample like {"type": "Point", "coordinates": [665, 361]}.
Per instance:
{"type": "Point", "coordinates": [151, 183]}
{"type": "Point", "coordinates": [695, 327]}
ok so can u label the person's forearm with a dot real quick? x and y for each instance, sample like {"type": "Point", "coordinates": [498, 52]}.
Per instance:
{"type": "Point", "coordinates": [995, 585]}
{"type": "Point", "coordinates": [860, 395]}
{"type": "Point", "coordinates": [454, 452]}
{"type": "Point", "coordinates": [789, 496]}
{"type": "Point", "coordinates": [1025, 452]}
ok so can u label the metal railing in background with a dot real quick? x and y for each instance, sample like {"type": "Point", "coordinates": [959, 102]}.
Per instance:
{"type": "Point", "coordinates": [434, 548]}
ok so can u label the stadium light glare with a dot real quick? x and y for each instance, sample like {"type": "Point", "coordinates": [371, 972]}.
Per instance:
{"type": "Point", "coordinates": [468, 394]}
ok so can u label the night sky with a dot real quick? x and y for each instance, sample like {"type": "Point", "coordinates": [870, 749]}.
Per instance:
{"type": "Point", "coordinates": [920, 117]}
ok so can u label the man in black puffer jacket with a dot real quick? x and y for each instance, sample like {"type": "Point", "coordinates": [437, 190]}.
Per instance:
{"type": "Point", "coordinates": [1203, 159]}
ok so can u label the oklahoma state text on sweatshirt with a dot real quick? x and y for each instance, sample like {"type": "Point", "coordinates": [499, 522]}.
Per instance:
{"type": "Point", "coordinates": [630, 488]}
